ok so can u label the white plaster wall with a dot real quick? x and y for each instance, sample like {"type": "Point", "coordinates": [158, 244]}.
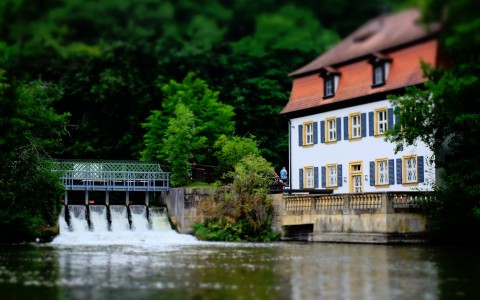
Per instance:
{"type": "Point", "coordinates": [343, 152]}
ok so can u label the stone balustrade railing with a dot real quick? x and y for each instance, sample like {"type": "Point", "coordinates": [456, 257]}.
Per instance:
{"type": "Point", "coordinates": [365, 201]}
{"type": "Point", "coordinates": [329, 202]}
{"type": "Point", "coordinates": [386, 202]}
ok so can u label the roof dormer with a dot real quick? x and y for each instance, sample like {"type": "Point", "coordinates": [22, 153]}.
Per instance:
{"type": "Point", "coordinates": [380, 69]}
{"type": "Point", "coordinates": [331, 78]}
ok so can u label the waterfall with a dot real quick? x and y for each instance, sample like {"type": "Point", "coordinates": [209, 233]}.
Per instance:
{"type": "Point", "coordinates": [78, 218]}
{"type": "Point", "coordinates": [63, 225]}
{"type": "Point", "coordinates": [149, 226]}
{"type": "Point", "coordinates": [119, 218]}
{"type": "Point", "coordinates": [139, 217]}
{"type": "Point", "coordinates": [98, 218]}
{"type": "Point", "coordinates": [159, 219]}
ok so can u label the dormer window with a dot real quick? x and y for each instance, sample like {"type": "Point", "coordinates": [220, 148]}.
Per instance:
{"type": "Point", "coordinates": [380, 68]}
{"type": "Point", "coordinates": [330, 81]}
{"type": "Point", "coordinates": [379, 74]}
{"type": "Point", "coordinates": [328, 86]}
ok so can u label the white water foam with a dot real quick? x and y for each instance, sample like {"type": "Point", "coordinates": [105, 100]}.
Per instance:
{"type": "Point", "coordinates": [139, 217]}
{"type": "Point", "coordinates": [159, 219]}
{"type": "Point", "coordinates": [160, 235]}
{"type": "Point", "coordinates": [78, 218]}
{"type": "Point", "coordinates": [98, 217]}
{"type": "Point", "coordinates": [63, 222]}
{"type": "Point", "coordinates": [119, 217]}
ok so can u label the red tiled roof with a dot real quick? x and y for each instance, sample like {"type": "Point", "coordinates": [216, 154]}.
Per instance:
{"type": "Point", "coordinates": [356, 78]}
{"type": "Point", "coordinates": [379, 35]}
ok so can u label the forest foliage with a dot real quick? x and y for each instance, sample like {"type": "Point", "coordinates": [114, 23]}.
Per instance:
{"type": "Point", "coordinates": [113, 58]}
{"type": "Point", "coordinates": [29, 130]}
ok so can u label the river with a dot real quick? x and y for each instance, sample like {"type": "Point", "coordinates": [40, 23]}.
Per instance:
{"type": "Point", "coordinates": [158, 263]}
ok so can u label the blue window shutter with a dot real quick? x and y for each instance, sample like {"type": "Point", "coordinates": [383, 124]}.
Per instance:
{"type": "Point", "coordinates": [420, 169]}
{"type": "Point", "coordinates": [399, 171]}
{"type": "Point", "coordinates": [390, 118]}
{"type": "Point", "coordinates": [315, 177]}
{"type": "Point", "coordinates": [372, 173]}
{"type": "Point", "coordinates": [324, 177]}
{"type": "Point", "coordinates": [391, 173]}
{"type": "Point", "coordinates": [371, 123]}
{"type": "Point", "coordinates": [300, 178]}
{"type": "Point", "coordinates": [300, 135]}
{"type": "Point", "coordinates": [339, 175]}
{"type": "Point", "coordinates": [315, 132]}
{"type": "Point", "coordinates": [322, 131]}
{"type": "Point", "coordinates": [364, 124]}
{"type": "Point", "coordinates": [339, 129]}
{"type": "Point", "coordinates": [345, 128]}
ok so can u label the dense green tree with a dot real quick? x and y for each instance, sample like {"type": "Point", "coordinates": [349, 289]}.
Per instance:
{"type": "Point", "coordinates": [231, 149]}
{"type": "Point", "coordinates": [446, 116]}
{"type": "Point", "coordinates": [282, 41]}
{"type": "Point", "coordinates": [211, 117]}
{"type": "Point", "coordinates": [29, 130]}
{"type": "Point", "coordinates": [181, 144]}
{"type": "Point", "coordinates": [288, 28]}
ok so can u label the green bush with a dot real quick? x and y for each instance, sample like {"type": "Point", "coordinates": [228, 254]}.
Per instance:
{"type": "Point", "coordinates": [246, 213]}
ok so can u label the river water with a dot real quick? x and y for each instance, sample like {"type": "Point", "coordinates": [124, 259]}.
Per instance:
{"type": "Point", "coordinates": [158, 263]}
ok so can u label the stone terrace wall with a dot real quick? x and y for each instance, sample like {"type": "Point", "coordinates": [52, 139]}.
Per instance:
{"type": "Point", "coordinates": [187, 206]}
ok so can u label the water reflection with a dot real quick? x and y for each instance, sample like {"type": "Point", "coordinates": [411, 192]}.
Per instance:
{"type": "Point", "coordinates": [341, 271]}
{"type": "Point", "coordinates": [238, 271]}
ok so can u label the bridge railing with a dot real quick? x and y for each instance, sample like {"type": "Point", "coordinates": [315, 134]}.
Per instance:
{"type": "Point", "coordinates": [386, 202]}
{"type": "Point", "coordinates": [108, 175]}
{"type": "Point", "coordinates": [115, 180]}
{"type": "Point", "coordinates": [106, 165]}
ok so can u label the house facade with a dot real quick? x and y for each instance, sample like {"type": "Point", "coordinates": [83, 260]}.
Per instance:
{"type": "Point", "coordinates": [339, 113]}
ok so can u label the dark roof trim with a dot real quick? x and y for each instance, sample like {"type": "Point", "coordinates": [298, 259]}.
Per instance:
{"type": "Point", "coordinates": [328, 71]}
{"type": "Point", "coordinates": [346, 103]}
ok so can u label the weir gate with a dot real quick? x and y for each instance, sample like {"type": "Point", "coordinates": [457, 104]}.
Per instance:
{"type": "Point", "coordinates": [89, 185]}
{"type": "Point", "coordinates": [86, 177]}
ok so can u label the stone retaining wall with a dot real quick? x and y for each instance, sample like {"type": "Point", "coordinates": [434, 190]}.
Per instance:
{"type": "Point", "coordinates": [355, 218]}
{"type": "Point", "coordinates": [187, 206]}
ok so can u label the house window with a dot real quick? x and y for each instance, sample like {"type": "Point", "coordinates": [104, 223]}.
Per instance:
{"type": "Point", "coordinates": [308, 133]}
{"type": "Point", "coordinates": [332, 175]}
{"type": "Point", "coordinates": [329, 86]}
{"type": "Point", "coordinates": [382, 172]}
{"type": "Point", "coordinates": [309, 177]}
{"type": "Point", "coordinates": [356, 182]}
{"type": "Point", "coordinates": [331, 130]}
{"type": "Point", "coordinates": [410, 164]}
{"type": "Point", "coordinates": [380, 69]}
{"type": "Point", "coordinates": [330, 81]}
{"type": "Point", "coordinates": [381, 121]}
{"type": "Point", "coordinates": [356, 126]}
{"type": "Point", "coordinates": [379, 74]}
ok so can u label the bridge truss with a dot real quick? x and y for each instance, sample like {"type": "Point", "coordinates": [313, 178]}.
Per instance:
{"type": "Point", "coordinates": [104, 175]}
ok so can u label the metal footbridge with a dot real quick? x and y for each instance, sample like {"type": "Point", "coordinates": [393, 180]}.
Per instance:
{"type": "Point", "coordinates": [104, 175]}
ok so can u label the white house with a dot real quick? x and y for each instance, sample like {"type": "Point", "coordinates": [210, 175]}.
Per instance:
{"type": "Point", "coordinates": [339, 112]}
